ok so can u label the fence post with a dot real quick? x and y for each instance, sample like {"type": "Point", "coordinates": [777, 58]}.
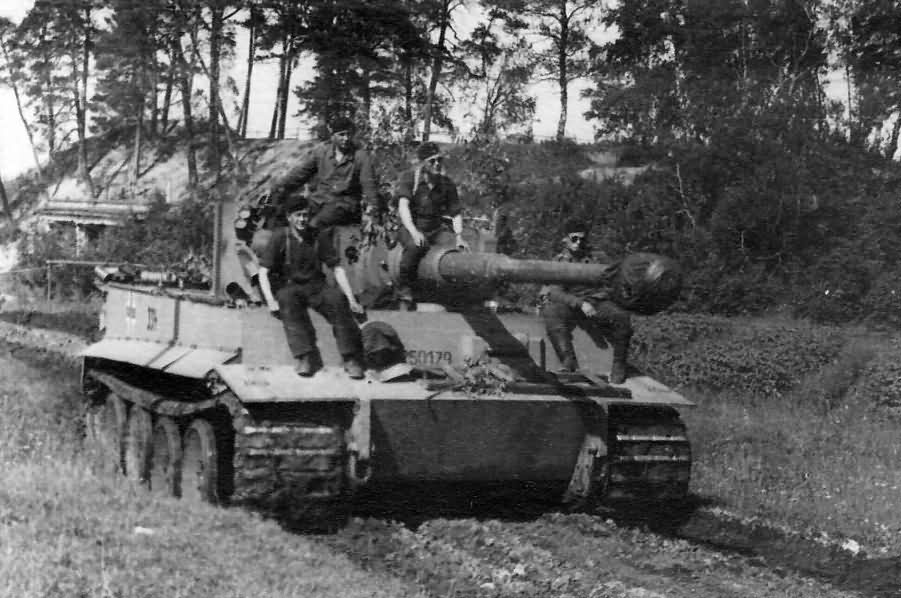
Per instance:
{"type": "Point", "coordinates": [49, 278]}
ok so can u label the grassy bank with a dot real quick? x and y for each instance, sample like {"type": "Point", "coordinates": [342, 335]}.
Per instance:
{"type": "Point", "coordinates": [794, 422]}
{"type": "Point", "coordinates": [70, 529]}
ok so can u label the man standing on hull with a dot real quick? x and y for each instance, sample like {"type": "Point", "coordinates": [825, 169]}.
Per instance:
{"type": "Point", "coordinates": [425, 196]}
{"type": "Point", "coordinates": [341, 176]}
{"type": "Point", "coordinates": [590, 307]}
{"type": "Point", "coordinates": [292, 263]}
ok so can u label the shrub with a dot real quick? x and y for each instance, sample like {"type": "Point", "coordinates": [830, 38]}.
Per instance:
{"type": "Point", "coordinates": [882, 303]}
{"type": "Point", "coordinates": [879, 385]}
{"type": "Point", "coordinates": [691, 351]}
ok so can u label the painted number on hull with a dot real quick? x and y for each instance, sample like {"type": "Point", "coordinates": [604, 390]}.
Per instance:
{"type": "Point", "coordinates": [422, 357]}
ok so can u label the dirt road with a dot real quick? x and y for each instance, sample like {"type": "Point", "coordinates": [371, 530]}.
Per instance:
{"type": "Point", "coordinates": [567, 556]}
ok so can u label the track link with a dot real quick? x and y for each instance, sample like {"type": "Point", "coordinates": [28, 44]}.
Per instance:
{"type": "Point", "coordinates": [294, 471]}
{"type": "Point", "coordinates": [650, 456]}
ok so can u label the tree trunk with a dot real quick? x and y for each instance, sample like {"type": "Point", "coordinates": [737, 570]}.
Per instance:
{"type": "Point", "coordinates": [154, 105]}
{"type": "Point", "coordinates": [366, 93]}
{"type": "Point", "coordinates": [186, 90]}
{"type": "Point", "coordinates": [51, 125]}
{"type": "Point", "coordinates": [167, 96]}
{"type": "Point", "coordinates": [136, 155]}
{"type": "Point", "coordinates": [217, 22]}
{"type": "Point", "coordinates": [81, 106]}
{"type": "Point", "coordinates": [408, 100]}
{"type": "Point", "coordinates": [562, 78]}
{"type": "Point", "coordinates": [286, 87]}
{"type": "Point", "coordinates": [893, 140]}
{"type": "Point", "coordinates": [437, 63]}
{"type": "Point", "coordinates": [5, 200]}
{"type": "Point", "coordinates": [276, 109]}
{"type": "Point", "coordinates": [251, 58]}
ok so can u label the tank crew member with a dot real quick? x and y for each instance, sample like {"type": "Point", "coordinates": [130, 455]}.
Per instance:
{"type": "Point", "coordinates": [293, 265]}
{"type": "Point", "coordinates": [589, 307]}
{"type": "Point", "coordinates": [425, 194]}
{"type": "Point", "coordinates": [340, 176]}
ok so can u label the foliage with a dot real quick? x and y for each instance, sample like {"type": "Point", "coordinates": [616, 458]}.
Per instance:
{"type": "Point", "coordinates": [500, 73]}
{"type": "Point", "coordinates": [168, 236]}
{"type": "Point", "coordinates": [356, 44]}
{"type": "Point", "coordinates": [878, 388]}
{"type": "Point", "coordinates": [761, 360]}
{"type": "Point", "coordinates": [562, 53]}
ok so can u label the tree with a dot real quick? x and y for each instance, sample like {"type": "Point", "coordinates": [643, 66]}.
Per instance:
{"type": "Point", "coordinates": [867, 37]}
{"type": "Point", "coordinates": [684, 70]}
{"type": "Point", "coordinates": [358, 45]}
{"type": "Point", "coordinates": [499, 73]}
{"type": "Point", "coordinates": [283, 35]}
{"type": "Point", "coordinates": [563, 53]}
{"type": "Point", "coordinates": [177, 25]}
{"type": "Point", "coordinates": [59, 35]}
{"type": "Point", "coordinates": [127, 62]}
{"type": "Point", "coordinates": [14, 62]}
{"type": "Point", "coordinates": [253, 24]}
{"type": "Point", "coordinates": [438, 15]}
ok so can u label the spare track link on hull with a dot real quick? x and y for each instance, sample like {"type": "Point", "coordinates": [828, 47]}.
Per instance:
{"type": "Point", "coordinates": [650, 456]}
{"type": "Point", "coordinates": [293, 471]}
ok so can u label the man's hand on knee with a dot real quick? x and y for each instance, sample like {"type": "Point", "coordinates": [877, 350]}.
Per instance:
{"type": "Point", "coordinates": [588, 309]}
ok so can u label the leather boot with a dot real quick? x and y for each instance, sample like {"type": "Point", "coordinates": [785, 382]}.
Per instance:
{"type": "Point", "coordinates": [563, 347]}
{"type": "Point", "coordinates": [305, 365]}
{"type": "Point", "coordinates": [353, 367]}
{"type": "Point", "coordinates": [405, 299]}
{"type": "Point", "coordinates": [619, 368]}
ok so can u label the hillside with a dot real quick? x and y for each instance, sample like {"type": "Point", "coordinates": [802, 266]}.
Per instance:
{"type": "Point", "coordinates": [164, 174]}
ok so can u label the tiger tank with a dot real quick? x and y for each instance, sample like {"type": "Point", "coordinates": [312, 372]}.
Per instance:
{"type": "Point", "coordinates": [193, 393]}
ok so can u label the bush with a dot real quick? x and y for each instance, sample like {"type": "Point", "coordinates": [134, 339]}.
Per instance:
{"type": "Point", "coordinates": [718, 354]}
{"type": "Point", "coordinates": [882, 303]}
{"type": "Point", "coordinates": [879, 385]}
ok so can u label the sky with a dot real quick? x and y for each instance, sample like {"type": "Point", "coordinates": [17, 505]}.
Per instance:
{"type": "Point", "coordinates": [15, 153]}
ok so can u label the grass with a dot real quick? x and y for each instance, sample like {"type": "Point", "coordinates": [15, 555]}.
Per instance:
{"type": "Point", "coordinates": [68, 528]}
{"type": "Point", "coordinates": [819, 457]}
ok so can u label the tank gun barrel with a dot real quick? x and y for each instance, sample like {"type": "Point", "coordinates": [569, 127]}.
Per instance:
{"type": "Point", "coordinates": [457, 267]}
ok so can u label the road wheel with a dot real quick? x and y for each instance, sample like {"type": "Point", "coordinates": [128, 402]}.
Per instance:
{"type": "Point", "coordinates": [200, 471]}
{"type": "Point", "coordinates": [137, 445]}
{"type": "Point", "coordinates": [165, 458]}
{"type": "Point", "coordinates": [105, 431]}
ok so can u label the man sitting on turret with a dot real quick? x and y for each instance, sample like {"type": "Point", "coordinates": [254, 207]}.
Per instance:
{"type": "Point", "coordinates": [292, 262]}
{"type": "Point", "coordinates": [590, 307]}
{"type": "Point", "coordinates": [425, 194]}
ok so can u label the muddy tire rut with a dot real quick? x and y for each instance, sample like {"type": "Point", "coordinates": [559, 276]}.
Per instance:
{"type": "Point", "coordinates": [562, 555]}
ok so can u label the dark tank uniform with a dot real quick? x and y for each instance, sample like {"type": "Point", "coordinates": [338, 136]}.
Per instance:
{"type": "Point", "coordinates": [561, 309]}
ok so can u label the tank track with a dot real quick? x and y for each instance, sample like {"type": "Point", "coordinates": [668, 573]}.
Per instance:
{"type": "Point", "coordinates": [293, 471]}
{"type": "Point", "coordinates": [649, 456]}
